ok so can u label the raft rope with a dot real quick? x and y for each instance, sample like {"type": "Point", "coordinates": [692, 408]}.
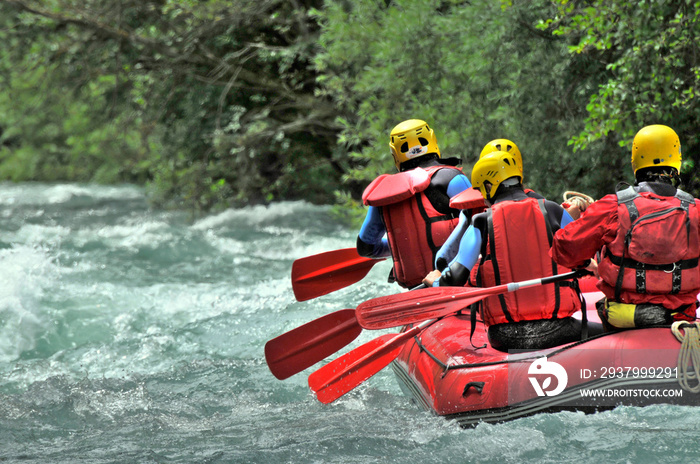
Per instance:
{"type": "Point", "coordinates": [689, 354]}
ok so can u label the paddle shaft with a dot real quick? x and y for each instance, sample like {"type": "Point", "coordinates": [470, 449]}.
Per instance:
{"type": "Point", "coordinates": [543, 281]}
{"type": "Point", "coordinates": [435, 302]}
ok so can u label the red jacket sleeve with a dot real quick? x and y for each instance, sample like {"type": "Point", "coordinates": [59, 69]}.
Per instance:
{"type": "Point", "coordinates": [581, 239]}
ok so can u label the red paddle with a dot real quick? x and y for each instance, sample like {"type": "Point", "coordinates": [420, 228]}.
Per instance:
{"type": "Point", "coordinates": [298, 349]}
{"type": "Point", "coordinates": [320, 274]}
{"type": "Point", "coordinates": [347, 372]}
{"type": "Point", "coordinates": [434, 302]}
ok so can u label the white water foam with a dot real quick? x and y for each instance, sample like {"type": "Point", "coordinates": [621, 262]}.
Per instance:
{"type": "Point", "coordinates": [25, 274]}
{"type": "Point", "coordinates": [256, 215]}
{"type": "Point", "coordinates": [133, 234]}
{"type": "Point", "coordinates": [53, 194]}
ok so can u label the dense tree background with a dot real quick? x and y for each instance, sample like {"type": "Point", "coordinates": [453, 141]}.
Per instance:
{"type": "Point", "coordinates": [228, 102]}
{"type": "Point", "coordinates": [210, 103]}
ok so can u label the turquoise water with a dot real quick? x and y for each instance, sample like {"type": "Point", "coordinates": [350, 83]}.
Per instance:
{"type": "Point", "coordinates": [136, 335]}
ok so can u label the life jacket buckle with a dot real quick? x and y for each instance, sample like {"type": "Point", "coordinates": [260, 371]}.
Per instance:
{"type": "Point", "coordinates": [675, 267]}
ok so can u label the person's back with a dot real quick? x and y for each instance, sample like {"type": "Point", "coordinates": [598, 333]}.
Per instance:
{"type": "Point", "coordinates": [649, 240]}
{"type": "Point", "coordinates": [641, 261]}
{"type": "Point", "coordinates": [513, 238]}
{"type": "Point", "coordinates": [412, 207]}
{"type": "Point", "coordinates": [471, 202]}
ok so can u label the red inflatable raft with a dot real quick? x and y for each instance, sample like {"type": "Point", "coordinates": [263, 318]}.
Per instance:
{"type": "Point", "coordinates": [444, 372]}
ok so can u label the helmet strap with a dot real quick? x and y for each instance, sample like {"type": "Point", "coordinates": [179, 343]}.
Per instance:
{"type": "Point", "coordinates": [487, 189]}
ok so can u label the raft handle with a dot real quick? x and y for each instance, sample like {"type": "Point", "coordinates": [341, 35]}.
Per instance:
{"type": "Point", "coordinates": [478, 386]}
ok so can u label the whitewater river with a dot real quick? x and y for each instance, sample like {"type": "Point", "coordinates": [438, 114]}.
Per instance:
{"type": "Point", "coordinates": [130, 335]}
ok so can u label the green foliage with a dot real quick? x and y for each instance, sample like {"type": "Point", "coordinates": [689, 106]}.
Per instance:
{"type": "Point", "coordinates": [219, 102]}
{"type": "Point", "coordinates": [211, 101]}
{"type": "Point", "coordinates": [651, 51]}
{"type": "Point", "coordinates": [54, 121]}
{"type": "Point", "coordinates": [473, 70]}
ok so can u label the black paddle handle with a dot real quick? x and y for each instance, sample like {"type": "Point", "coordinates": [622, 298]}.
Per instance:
{"type": "Point", "coordinates": [569, 275]}
{"type": "Point", "coordinates": [511, 287]}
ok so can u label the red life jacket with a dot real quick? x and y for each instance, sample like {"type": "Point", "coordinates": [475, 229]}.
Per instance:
{"type": "Point", "coordinates": [517, 249]}
{"type": "Point", "coordinates": [415, 229]}
{"type": "Point", "coordinates": [637, 261]}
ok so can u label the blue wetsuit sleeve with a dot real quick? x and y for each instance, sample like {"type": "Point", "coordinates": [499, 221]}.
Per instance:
{"type": "Point", "coordinates": [373, 233]}
{"type": "Point", "coordinates": [458, 271]}
{"type": "Point", "coordinates": [457, 185]}
{"type": "Point", "coordinates": [449, 249]}
{"type": "Point", "coordinates": [566, 219]}
{"type": "Point", "coordinates": [469, 248]}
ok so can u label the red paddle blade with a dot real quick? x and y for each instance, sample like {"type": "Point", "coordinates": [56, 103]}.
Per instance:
{"type": "Point", "coordinates": [327, 272]}
{"type": "Point", "coordinates": [347, 372]}
{"type": "Point", "coordinates": [298, 349]}
{"type": "Point", "coordinates": [416, 306]}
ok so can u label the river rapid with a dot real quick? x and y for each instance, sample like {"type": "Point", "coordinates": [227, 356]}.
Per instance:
{"type": "Point", "coordinates": [132, 335]}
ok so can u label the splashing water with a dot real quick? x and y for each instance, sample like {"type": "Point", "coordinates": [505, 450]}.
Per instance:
{"type": "Point", "coordinates": [133, 335]}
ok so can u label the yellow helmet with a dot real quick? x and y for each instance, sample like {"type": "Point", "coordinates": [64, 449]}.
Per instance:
{"type": "Point", "coordinates": [656, 145]}
{"type": "Point", "coordinates": [494, 168]}
{"type": "Point", "coordinates": [411, 139]}
{"type": "Point", "coordinates": [506, 146]}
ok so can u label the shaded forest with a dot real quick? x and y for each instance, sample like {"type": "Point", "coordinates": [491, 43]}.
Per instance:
{"type": "Point", "coordinates": [219, 103]}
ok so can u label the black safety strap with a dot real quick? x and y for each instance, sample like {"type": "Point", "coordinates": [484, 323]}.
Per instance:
{"type": "Point", "coordinates": [494, 261]}
{"type": "Point", "coordinates": [472, 321]}
{"type": "Point", "coordinates": [429, 221]}
{"type": "Point", "coordinates": [555, 270]}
